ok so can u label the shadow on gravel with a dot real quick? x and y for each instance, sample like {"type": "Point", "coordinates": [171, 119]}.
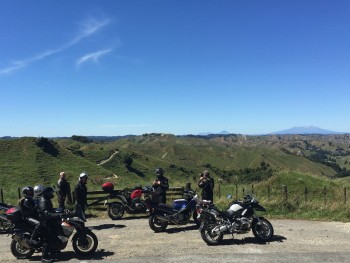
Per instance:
{"type": "Point", "coordinates": [173, 230]}
{"type": "Point", "coordinates": [250, 240]}
{"type": "Point", "coordinates": [132, 217]}
{"type": "Point", "coordinates": [107, 226]}
{"type": "Point", "coordinates": [68, 255]}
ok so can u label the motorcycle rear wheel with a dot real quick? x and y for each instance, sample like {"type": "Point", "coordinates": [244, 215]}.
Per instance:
{"type": "Point", "coordinates": [84, 244]}
{"type": "Point", "coordinates": [209, 237]}
{"type": "Point", "coordinates": [115, 211]}
{"type": "Point", "coordinates": [262, 230]}
{"type": "Point", "coordinates": [19, 251]}
{"type": "Point", "coordinates": [156, 224]}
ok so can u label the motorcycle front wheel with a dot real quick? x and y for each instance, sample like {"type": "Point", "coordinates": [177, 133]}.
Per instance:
{"type": "Point", "coordinates": [19, 251]}
{"type": "Point", "coordinates": [115, 211]}
{"type": "Point", "coordinates": [209, 237]}
{"type": "Point", "coordinates": [262, 230]}
{"type": "Point", "coordinates": [156, 224]}
{"type": "Point", "coordinates": [84, 244]}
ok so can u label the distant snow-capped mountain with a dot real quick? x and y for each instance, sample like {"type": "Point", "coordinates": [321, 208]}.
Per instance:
{"type": "Point", "coordinates": [306, 130]}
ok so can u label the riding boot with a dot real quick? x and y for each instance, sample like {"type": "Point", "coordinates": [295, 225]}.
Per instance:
{"type": "Point", "coordinates": [45, 254]}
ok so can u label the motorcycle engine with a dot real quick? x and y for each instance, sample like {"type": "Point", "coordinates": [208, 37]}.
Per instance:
{"type": "Point", "coordinates": [139, 205]}
{"type": "Point", "coordinates": [67, 229]}
{"type": "Point", "coordinates": [245, 223]}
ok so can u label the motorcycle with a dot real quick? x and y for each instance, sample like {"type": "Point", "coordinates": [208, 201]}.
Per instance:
{"type": "Point", "coordinates": [84, 241]}
{"type": "Point", "coordinates": [5, 224]}
{"type": "Point", "coordinates": [127, 204]}
{"type": "Point", "coordinates": [179, 213]}
{"type": "Point", "coordinates": [240, 218]}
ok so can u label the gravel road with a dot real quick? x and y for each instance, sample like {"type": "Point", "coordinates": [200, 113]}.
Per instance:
{"type": "Point", "coordinates": [131, 240]}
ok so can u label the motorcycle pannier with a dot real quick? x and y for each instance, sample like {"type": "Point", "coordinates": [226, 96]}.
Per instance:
{"type": "Point", "coordinates": [14, 214]}
{"type": "Point", "coordinates": [108, 187]}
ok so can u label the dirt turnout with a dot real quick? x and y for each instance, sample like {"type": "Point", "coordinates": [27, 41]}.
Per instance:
{"type": "Point", "coordinates": [130, 240]}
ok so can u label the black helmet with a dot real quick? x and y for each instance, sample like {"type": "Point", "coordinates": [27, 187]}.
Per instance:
{"type": "Point", "coordinates": [159, 171]}
{"type": "Point", "coordinates": [47, 192]}
{"type": "Point", "coordinates": [28, 192]}
{"type": "Point", "coordinates": [247, 198]}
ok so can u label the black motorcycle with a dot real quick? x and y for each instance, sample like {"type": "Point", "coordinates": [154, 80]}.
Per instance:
{"type": "Point", "coordinates": [180, 213]}
{"type": "Point", "coordinates": [240, 218]}
{"type": "Point", "coordinates": [84, 241]}
{"type": "Point", "coordinates": [126, 204]}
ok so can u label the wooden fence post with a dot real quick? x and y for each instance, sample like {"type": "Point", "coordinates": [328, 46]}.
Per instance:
{"type": "Point", "coordinates": [252, 189]}
{"type": "Point", "coordinates": [285, 192]}
{"type": "Point", "coordinates": [344, 195]}
{"type": "Point", "coordinates": [236, 191]}
{"type": "Point", "coordinates": [324, 192]}
{"type": "Point", "coordinates": [188, 186]}
{"type": "Point", "coordinates": [243, 191]}
{"type": "Point", "coordinates": [19, 193]}
{"type": "Point", "coordinates": [305, 193]}
{"type": "Point", "coordinates": [268, 192]}
{"type": "Point", "coordinates": [2, 196]}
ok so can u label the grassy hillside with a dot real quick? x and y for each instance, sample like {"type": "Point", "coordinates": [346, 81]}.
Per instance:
{"type": "Point", "coordinates": [132, 160]}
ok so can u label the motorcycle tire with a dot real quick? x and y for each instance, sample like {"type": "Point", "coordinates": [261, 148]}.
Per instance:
{"type": "Point", "coordinates": [262, 230]}
{"type": "Point", "coordinates": [209, 238]}
{"type": "Point", "coordinates": [115, 211]}
{"type": "Point", "coordinates": [5, 226]}
{"type": "Point", "coordinates": [84, 244]}
{"type": "Point", "coordinates": [19, 251]}
{"type": "Point", "coordinates": [157, 225]}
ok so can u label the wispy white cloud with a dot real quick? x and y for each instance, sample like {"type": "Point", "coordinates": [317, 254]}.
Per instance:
{"type": "Point", "coordinates": [92, 57]}
{"type": "Point", "coordinates": [88, 28]}
{"type": "Point", "coordinates": [13, 67]}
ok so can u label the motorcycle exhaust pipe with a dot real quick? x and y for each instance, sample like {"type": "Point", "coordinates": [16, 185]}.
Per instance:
{"type": "Point", "coordinates": [23, 241]}
{"type": "Point", "coordinates": [163, 218]}
{"type": "Point", "coordinates": [223, 228]}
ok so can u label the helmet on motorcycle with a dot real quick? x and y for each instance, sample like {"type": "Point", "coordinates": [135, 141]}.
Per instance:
{"type": "Point", "coordinates": [38, 189]}
{"type": "Point", "coordinates": [47, 192]}
{"type": "Point", "coordinates": [247, 198]}
{"type": "Point", "coordinates": [83, 175]}
{"type": "Point", "coordinates": [159, 171]}
{"type": "Point", "coordinates": [28, 192]}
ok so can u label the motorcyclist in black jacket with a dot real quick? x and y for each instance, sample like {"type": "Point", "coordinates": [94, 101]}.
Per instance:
{"type": "Point", "coordinates": [80, 192]}
{"type": "Point", "coordinates": [29, 212]}
{"type": "Point", "coordinates": [161, 185]}
{"type": "Point", "coordinates": [50, 222]}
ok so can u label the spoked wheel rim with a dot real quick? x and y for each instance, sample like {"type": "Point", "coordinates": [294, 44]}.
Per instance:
{"type": "Point", "coordinates": [263, 230]}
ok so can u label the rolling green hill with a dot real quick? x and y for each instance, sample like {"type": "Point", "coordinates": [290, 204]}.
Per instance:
{"type": "Point", "coordinates": [131, 160]}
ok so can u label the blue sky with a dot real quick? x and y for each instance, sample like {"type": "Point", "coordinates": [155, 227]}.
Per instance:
{"type": "Point", "coordinates": [183, 67]}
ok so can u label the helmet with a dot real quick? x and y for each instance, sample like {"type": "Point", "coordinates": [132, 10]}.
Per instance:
{"type": "Point", "coordinates": [38, 189]}
{"type": "Point", "coordinates": [28, 191]}
{"type": "Point", "coordinates": [247, 198]}
{"type": "Point", "coordinates": [47, 192]}
{"type": "Point", "coordinates": [83, 175]}
{"type": "Point", "coordinates": [159, 171]}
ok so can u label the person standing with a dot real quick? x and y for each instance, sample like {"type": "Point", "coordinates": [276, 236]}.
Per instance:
{"type": "Point", "coordinates": [161, 185]}
{"type": "Point", "coordinates": [80, 191]}
{"type": "Point", "coordinates": [63, 190]}
{"type": "Point", "coordinates": [207, 185]}
{"type": "Point", "coordinates": [51, 224]}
